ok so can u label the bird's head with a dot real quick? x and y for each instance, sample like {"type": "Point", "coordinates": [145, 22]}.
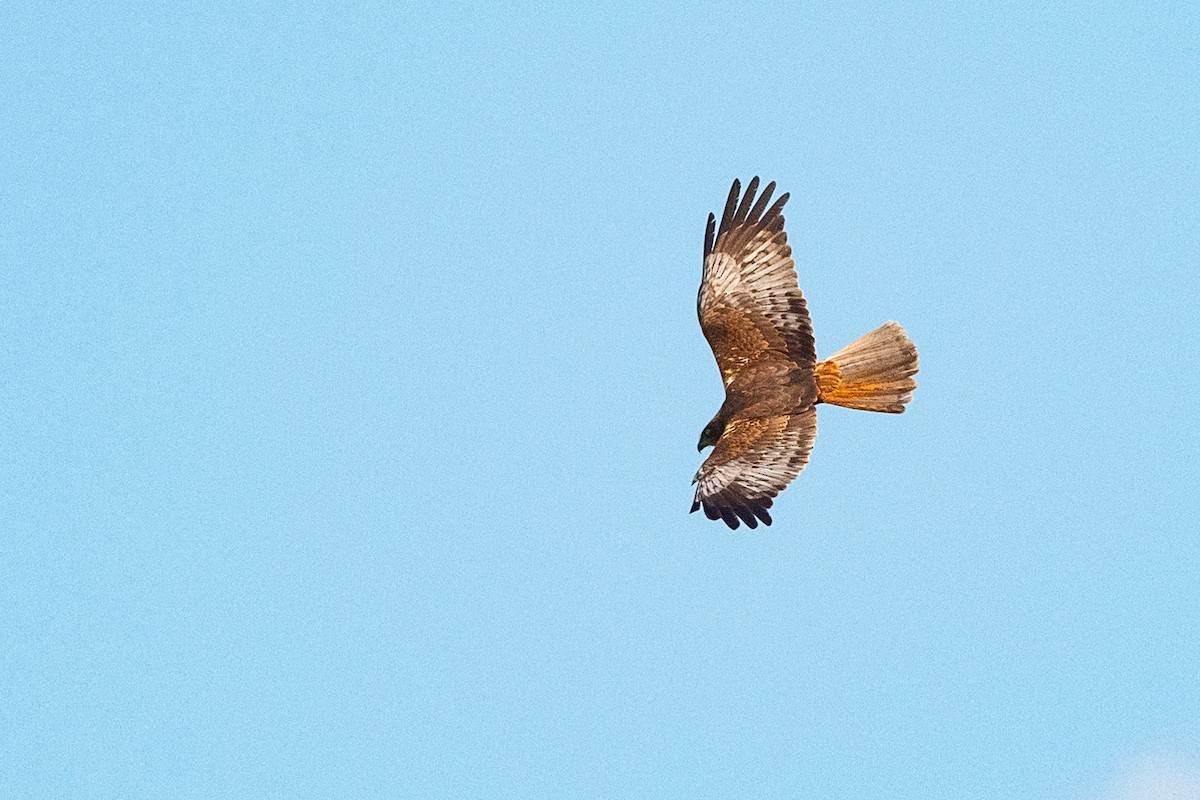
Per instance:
{"type": "Point", "coordinates": [708, 437]}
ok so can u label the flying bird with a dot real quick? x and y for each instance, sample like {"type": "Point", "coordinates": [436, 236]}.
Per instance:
{"type": "Point", "coordinates": [756, 321]}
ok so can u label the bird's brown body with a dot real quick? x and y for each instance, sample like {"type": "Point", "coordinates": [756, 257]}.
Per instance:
{"type": "Point", "coordinates": [756, 321]}
{"type": "Point", "coordinates": [768, 389]}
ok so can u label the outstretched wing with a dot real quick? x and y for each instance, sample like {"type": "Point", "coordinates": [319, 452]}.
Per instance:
{"type": "Point", "coordinates": [754, 460]}
{"type": "Point", "coordinates": [749, 301]}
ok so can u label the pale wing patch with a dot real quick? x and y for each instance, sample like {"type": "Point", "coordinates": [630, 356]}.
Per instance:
{"type": "Point", "coordinates": [721, 277]}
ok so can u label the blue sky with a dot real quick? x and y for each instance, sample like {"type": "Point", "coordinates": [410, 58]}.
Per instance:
{"type": "Point", "coordinates": [352, 381]}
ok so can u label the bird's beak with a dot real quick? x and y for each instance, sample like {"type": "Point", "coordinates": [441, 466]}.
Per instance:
{"type": "Point", "coordinates": [700, 447]}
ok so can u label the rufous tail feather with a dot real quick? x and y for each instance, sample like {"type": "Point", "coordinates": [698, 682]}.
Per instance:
{"type": "Point", "coordinates": [872, 373]}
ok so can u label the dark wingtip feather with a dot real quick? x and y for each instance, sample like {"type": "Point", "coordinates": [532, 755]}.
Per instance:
{"type": "Point", "coordinates": [730, 206]}
{"type": "Point", "coordinates": [747, 200]}
{"type": "Point", "coordinates": [764, 198]}
{"type": "Point", "coordinates": [733, 508]}
{"type": "Point", "coordinates": [730, 518]}
{"type": "Point", "coordinates": [778, 207]}
{"type": "Point", "coordinates": [747, 515]}
{"type": "Point", "coordinates": [695, 506]}
{"type": "Point", "coordinates": [709, 234]}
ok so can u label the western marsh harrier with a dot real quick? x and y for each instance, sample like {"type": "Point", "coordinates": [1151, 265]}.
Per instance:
{"type": "Point", "coordinates": [755, 319]}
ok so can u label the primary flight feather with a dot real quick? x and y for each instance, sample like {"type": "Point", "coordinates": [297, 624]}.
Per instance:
{"type": "Point", "coordinates": [755, 319]}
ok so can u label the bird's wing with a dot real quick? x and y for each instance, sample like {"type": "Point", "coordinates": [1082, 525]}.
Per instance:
{"type": "Point", "coordinates": [754, 460]}
{"type": "Point", "coordinates": [749, 301]}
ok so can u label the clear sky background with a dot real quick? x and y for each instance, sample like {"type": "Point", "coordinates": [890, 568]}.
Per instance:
{"type": "Point", "coordinates": [350, 385]}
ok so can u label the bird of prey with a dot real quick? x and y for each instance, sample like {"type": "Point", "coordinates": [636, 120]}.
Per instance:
{"type": "Point", "coordinates": [755, 319]}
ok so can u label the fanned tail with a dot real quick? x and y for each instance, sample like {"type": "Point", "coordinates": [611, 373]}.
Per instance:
{"type": "Point", "coordinates": [872, 373]}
